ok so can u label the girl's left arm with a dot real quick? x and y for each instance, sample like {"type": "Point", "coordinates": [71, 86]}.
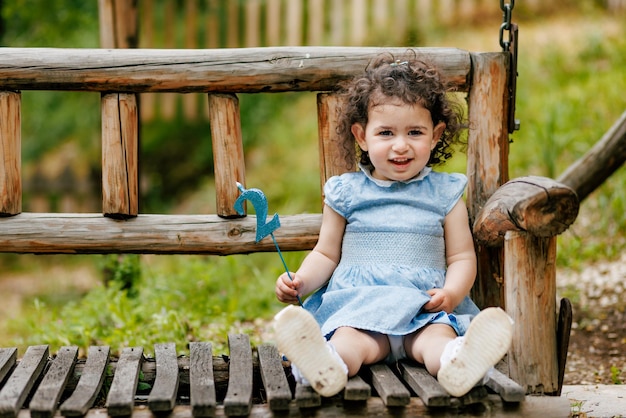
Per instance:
{"type": "Point", "coordinates": [460, 259]}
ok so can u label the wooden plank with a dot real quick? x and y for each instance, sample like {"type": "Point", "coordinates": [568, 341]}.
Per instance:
{"type": "Point", "coordinates": [120, 142]}
{"type": "Point", "coordinates": [10, 153]}
{"type": "Point", "coordinates": [424, 385]}
{"type": "Point", "coordinates": [274, 379]}
{"type": "Point", "coordinates": [563, 330]}
{"type": "Point", "coordinates": [534, 406]}
{"type": "Point", "coordinates": [91, 379]}
{"type": "Point", "coordinates": [22, 380]}
{"type": "Point", "coordinates": [162, 397]}
{"type": "Point", "coordinates": [121, 397]}
{"type": "Point", "coordinates": [477, 394]}
{"type": "Point", "coordinates": [487, 162]}
{"type": "Point", "coordinates": [207, 70]}
{"type": "Point", "coordinates": [72, 233]}
{"type": "Point", "coordinates": [506, 387]}
{"type": "Point", "coordinates": [334, 159]}
{"type": "Point", "coordinates": [530, 271]}
{"type": "Point", "coordinates": [227, 151]}
{"type": "Point", "coordinates": [307, 397]}
{"type": "Point", "coordinates": [201, 381]}
{"type": "Point", "coordinates": [389, 387]}
{"type": "Point", "coordinates": [238, 400]}
{"type": "Point", "coordinates": [44, 402]}
{"type": "Point", "coordinates": [357, 389]}
{"type": "Point", "coordinates": [8, 356]}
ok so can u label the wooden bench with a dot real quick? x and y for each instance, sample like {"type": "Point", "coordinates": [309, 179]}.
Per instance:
{"type": "Point", "coordinates": [515, 226]}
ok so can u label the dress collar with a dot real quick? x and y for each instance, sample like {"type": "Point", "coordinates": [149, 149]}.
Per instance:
{"type": "Point", "coordinates": [367, 170]}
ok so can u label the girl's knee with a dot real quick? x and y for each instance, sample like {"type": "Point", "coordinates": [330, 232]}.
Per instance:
{"type": "Point", "coordinates": [357, 347]}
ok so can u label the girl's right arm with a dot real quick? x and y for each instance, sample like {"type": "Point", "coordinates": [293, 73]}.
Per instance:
{"type": "Point", "coordinates": [319, 264]}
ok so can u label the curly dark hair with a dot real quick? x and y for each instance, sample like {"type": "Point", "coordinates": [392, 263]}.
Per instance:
{"type": "Point", "coordinates": [412, 81]}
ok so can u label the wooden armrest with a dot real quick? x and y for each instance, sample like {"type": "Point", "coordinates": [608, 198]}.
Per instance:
{"type": "Point", "coordinates": [538, 205]}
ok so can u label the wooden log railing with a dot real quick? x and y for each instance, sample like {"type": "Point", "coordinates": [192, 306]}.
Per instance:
{"type": "Point", "coordinates": [515, 232]}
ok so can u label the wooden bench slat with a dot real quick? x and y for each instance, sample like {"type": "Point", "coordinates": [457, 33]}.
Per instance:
{"type": "Point", "coordinates": [8, 357]}
{"type": "Point", "coordinates": [24, 376]}
{"type": "Point", "coordinates": [46, 398]}
{"type": "Point", "coordinates": [389, 387]}
{"type": "Point", "coordinates": [162, 397]}
{"type": "Point", "coordinates": [201, 380]}
{"type": "Point", "coordinates": [307, 397]}
{"type": "Point", "coordinates": [274, 379]}
{"type": "Point", "coordinates": [357, 389]}
{"type": "Point", "coordinates": [477, 394]}
{"type": "Point", "coordinates": [121, 398]}
{"type": "Point", "coordinates": [238, 400]}
{"type": "Point", "coordinates": [89, 384]}
{"type": "Point", "coordinates": [424, 385]}
{"type": "Point", "coordinates": [506, 387]}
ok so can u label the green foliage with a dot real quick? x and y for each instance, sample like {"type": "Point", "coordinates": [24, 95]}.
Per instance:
{"type": "Point", "coordinates": [615, 375]}
{"type": "Point", "coordinates": [180, 299]}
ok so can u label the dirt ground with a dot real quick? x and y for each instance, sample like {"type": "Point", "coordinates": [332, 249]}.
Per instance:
{"type": "Point", "coordinates": [597, 349]}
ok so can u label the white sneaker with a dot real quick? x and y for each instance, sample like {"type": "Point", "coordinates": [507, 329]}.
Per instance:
{"type": "Point", "coordinates": [466, 360]}
{"type": "Point", "coordinates": [299, 338]}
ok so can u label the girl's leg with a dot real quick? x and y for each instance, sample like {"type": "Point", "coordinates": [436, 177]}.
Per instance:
{"type": "Point", "coordinates": [357, 347]}
{"type": "Point", "coordinates": [426, 345]}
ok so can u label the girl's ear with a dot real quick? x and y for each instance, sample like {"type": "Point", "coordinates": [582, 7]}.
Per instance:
{"type": "Point", "coordinates": [437, 132]}
{"type": "Point", "coordinates": [359, 134]}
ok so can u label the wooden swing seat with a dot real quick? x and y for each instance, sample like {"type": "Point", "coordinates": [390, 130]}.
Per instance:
{"type": "Point", "coordinates": [515, 224]}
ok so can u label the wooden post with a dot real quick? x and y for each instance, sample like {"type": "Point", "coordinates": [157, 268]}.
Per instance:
{"type": "Point", "coordinates": [332, 154]}
{"type": "Point", "coordinates": [10, 153]}
{"type": "Point", "coordinates": [119, 155]}
{"type": "Point", "coordinates": [487, 161]}
{"type": "Point", "coordinates": [118, 23]}
{"type": "Point", "coordinates": [531, 301]}
{"type": "Point", "coordinates": [227, 151]}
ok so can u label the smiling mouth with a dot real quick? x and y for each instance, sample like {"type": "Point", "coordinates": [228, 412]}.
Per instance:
{"type": "Point", "coordinates": [400, 161]}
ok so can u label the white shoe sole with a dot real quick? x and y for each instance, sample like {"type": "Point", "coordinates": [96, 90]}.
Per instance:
{"type": "Point", "coordinates": [298, 337]}
{"type": "Point", "coordinates": [487, 340]}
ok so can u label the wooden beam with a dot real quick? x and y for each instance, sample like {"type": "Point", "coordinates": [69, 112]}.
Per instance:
{"type": "Point", "coordinates": [10, 153]}
{"type": "Point", "coordinates": [227, 151]}
{"type": "Point", "coordinates": [538, 205]}
{"type": "Point", "coordinates": [56, 233]}
{"type": "Point", "coordinates": [530, 269]}
{"type": "Point", "coordinates": [205, 70]}
{"type": "Point", "coordinates": [120, 130]}
{"type": "Point", "coordinates": [487, 161]}
{"type": "Point", "coordinates": [333, 158]}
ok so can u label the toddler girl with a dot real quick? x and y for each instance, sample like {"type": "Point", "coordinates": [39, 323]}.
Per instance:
{"type": "Point", "coordinates": [395, 261]}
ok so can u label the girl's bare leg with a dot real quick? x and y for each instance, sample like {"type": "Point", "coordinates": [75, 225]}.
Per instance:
{"type": "Point", "coordinates": [357, 347]}
{"type": "Point", "coordinates": [426, 345]}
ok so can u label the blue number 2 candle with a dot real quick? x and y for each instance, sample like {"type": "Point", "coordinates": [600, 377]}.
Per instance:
{"type": "Point", "coordinates": [263, 227]}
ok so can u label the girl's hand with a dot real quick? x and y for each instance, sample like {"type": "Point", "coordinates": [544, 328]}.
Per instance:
{"type": "Point", "coordinates": [287, 290]}
{"type": "Point", "coordinates": [440, 300]}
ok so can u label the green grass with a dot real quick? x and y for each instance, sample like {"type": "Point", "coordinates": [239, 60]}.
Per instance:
{"type": "Point", "coordinates": [570, 91]}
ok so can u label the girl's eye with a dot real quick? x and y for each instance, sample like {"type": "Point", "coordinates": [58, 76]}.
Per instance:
{"type": "Point", "coordinates": [415, 132]}
{"type": "Point", "coordinates": [385, 133]}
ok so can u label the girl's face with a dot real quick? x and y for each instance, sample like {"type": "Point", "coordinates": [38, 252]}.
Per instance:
{"type": "Point", "coordinates": [398, 138]}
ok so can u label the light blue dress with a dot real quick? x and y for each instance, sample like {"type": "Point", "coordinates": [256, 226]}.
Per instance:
{"type": "Point", "coordinates": [393, 251]}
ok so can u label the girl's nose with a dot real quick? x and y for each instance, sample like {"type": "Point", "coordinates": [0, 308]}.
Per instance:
{"type": "Point", "coordinates": [400, 144]}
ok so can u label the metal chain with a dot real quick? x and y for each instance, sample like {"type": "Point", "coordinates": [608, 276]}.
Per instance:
{"type": "Point", "coordinates": [507, 11]}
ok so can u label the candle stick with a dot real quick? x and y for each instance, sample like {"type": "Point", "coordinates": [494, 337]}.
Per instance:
{"type": "Point", "coordinates": [263, 227]}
